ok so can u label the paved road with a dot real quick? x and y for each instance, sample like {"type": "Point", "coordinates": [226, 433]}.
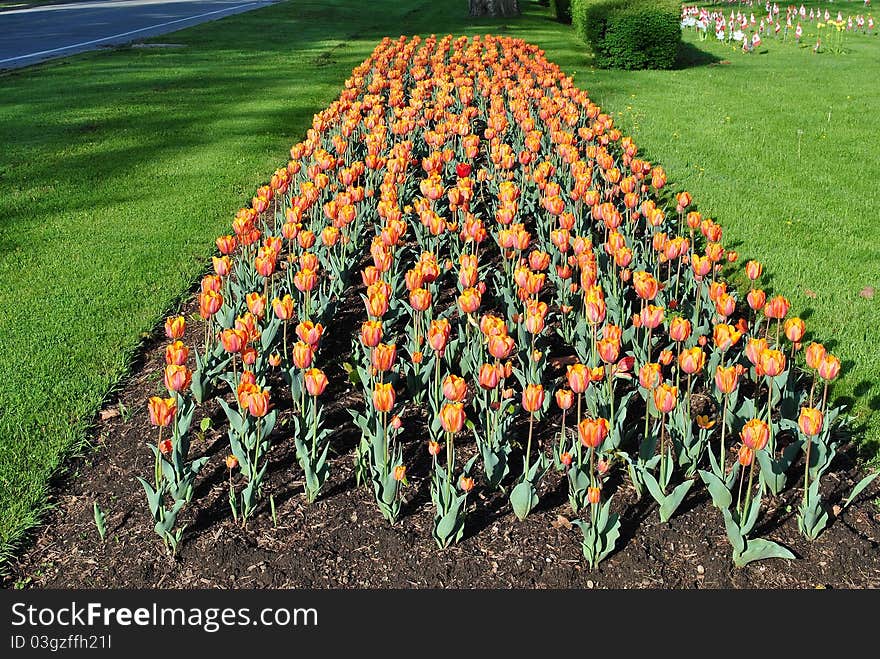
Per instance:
{"type": "Point", "coordinates": [38, 33]}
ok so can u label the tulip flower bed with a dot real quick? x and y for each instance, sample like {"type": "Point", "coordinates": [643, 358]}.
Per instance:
{"type": "Point", "coordinates": [467, 288]}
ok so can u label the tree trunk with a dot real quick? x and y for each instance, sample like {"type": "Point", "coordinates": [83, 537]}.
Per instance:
{"type": "Point", "coordinates": [494, 7]}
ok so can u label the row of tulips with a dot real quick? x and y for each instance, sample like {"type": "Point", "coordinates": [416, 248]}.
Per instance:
{"type": "Point", "coordinates": [504, 219]}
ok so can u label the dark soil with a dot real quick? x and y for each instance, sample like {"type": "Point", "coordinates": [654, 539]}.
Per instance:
{"type": "Point", "coordinates": [342, 540]}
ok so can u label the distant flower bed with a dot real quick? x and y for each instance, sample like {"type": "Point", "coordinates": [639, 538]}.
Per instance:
{"type": "Point", "coordinates": [784, 25]}
{"type": "Point", "coordinates": [497, 224]}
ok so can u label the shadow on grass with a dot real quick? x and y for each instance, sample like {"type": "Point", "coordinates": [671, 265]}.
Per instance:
{"type": "Point", "coordinates": [689, 57]}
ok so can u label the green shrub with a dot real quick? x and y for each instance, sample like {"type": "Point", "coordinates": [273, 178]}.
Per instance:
{"type": "Point", "coordinates": [630, 34]}
{"type": "Point", "coordinates": [562, 9]}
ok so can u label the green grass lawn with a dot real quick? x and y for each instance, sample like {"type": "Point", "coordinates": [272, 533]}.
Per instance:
{"type": "Point", "coordinates": [119, 168]}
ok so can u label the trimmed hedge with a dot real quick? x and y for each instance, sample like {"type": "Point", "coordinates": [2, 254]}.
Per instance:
{"type": "Point", "coordinates": [630, 34]}
{"type": "Point", "coordinates": [562, 9]}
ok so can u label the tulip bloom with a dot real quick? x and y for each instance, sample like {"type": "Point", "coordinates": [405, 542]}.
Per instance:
{"type": "Point", "coordinates": [454, 388]}
{"type": "Point", "coordinates": [679, 329]}
{"type": "Point", "coordinates": [665, 397]}
{"type": "Point", "coordinates": [794, 328]}
{"type": "Point", "coordinates": [814, 354]}
{"type": "Point", "coordinates": [175, 327]}
{"type": "Point", "coordinates": [772, 362]}
{"type": "Point", "coordinates": [176, 353]}
{"type": "Point", "coordinates": [452, 417]}
{"type": "Point", "coordinates": [564, 398]}
{"type": "Point", "coordinates": [593, 432]}
{"type": "Point", "coordinates": [726, 379]}
{"type": "Point", "coordinates": [490, 376]}
{"type": "Point", "coordinates": [371, 333]}
{"type": "Point", "coordinates": [829, 367]}
{"type": "Point", "coordinates": [316, 381]}
{"type": "Point", "coordinates": [469, 300]}
{"type": "Point", "coordinates": [776, 307]}
{"type": "Point", "coordinates": [650, 375]}
{"type": "Point", "coordinates": [302, 355]}
{"type": "Point", "coordinates": [755, 434]}
{"type": "Point", "coordinates": [811, 421]}
{"type": "Point", "coordinates": [233, 340]}
{"type": "Point", "coordinates": [500, 346]}
{"type": "Point", "coordinates": [420, 299]}
{"type": "Point", "coordinates": [309, 332]}
{"type": "Point", "coordinates": [177, 378]}
{"type": "Point", "coordinates": [209, 303]}
{"type": "Point", "coordinates": [745, 455]}
{"type": "Point", "coordinates": [162, 410]}
{"type": "Point", "coordinates": [283, 307]}
{"type": "Point", "coordinates": [692, 360]}
{"type": "Point", "coordinates": [725, 336]}
{"type": "Point", "coordinates": [756, 299]}
{"type": "Point", "coordinates": [754, 270]}
{"type": "Point", "coordinates": [533, 398]}
{"type": "Point", "coordinates": [578, 378]}
{"type": "Point", "coordinates": [383, 397]}
{"type": "Point", "coordinates": [384, 356]}
{"type": "Point", "coordinates": [258, 403]}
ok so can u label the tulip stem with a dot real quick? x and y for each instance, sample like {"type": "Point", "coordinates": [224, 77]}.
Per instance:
{"type": "Point", "coordinates": [722, 454]}
{"type": "Point", "coordinates": [157, 469]}
{"type": "Point", "coordinates": [562, 436]}
{"type": "Point", "coordinates": [770, 419]}
{"type": "Point", "coordinates": [314, 426]}
{"type": "Point", "coordinates": [748, 492]}
{"type": "Point", "coordinates": [663, 452]}
{"type": "Point", "coordinates": [529, 444]}
{"type": "Point", "coordinates": [742, 474]}
{"type": "Point", "coordinates": [450, 458]}
{"type": "Point", "coordinates": [807, 469]}
{"type": "Point", "coordinates": [577, 443]}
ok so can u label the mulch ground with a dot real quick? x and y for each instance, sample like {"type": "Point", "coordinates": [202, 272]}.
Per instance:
{"type": "Point", "coordinates": [341, 540]}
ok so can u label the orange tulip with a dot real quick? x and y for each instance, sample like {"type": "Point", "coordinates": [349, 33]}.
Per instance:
{"type": "Point", "coordinates": [652, 317]}
{"type": "Point", "coordinates": [162, 410]}
{"type": "Point", "coordinates": [283, 307]}
{"type": "Point", "coordinates": [469, 300]}
{"type": "Point", "coordinates": [726, 379]}
{"type": "Point", "coordinates": [665, 397]}
{"type": "Point", "coordinates": [772, 362]}
{"type": "Point", "coordinates": [438, 334]}
{"type": "Point", "coordinates": [209, 303]}
{"type": "Point", "coordinates": [776, 307]}
{"type": "Point", "coordinates": [756, 299]}
{"type": "Point", "coordinates": [650, 375]}
{"type": "Point", "coordinates": [466, 483]}
{"type": "Point", "coordinates": [593, 432]}
{"type": "Point", "coordinates": [665, 357]}
{"type": "Point", "coordinates": [175, 327]}
{"type": "Point", "coordinates": [433, 448]}
{"type": "Point", "coordinates": [725, 305]}
{"type": "Point", "coordinates": [420, 299]}
{"type": "Point", "coordinates": [692, 360]}
{"type": "Point", "coordinates": [500, 346]}
{"type": "Point", "coordinates": [400, 473]}
{"type": "Point", "coordinates": [594, 495]}
{"type": "Point", "coordinates": [645, 284]}
{"type": "Point", "coordinates": [754, 270]}
{"type": "Point", "coordinates": [754, 348]}
{"type": "Point", "coordinates": [745, 455]}
{"type": "Point", "coordinates": [233, 340]}
{"type": "Point", "coordinates": [609, 350]}
{"type": "Point", "coordinates": [310, 332]}
{"type": "Point", "coordinates": [490, 376]}
{"type": "Point", "coordinates": [256, 304]}
{"type": "Point", "coordinates": [795, 328]}
{"type": "Point", "coordinates": [258, 403]}
{"type": "Point", "coordinates": [377, 305]}
{"type": "Point", "coordinates": [231, 462]}
{"type": "Point", "coordinates": [303, 354]}
{"type": "Point", "coordinates": [811, 421]}
{"type": "Point", "coordinates": [533, 397]}
{"type": "Point", "coordinates": [371, 333]}
{"type": "Point", "coordinates": [679, 329]}
{"type": "Point", "coordinates": [384, 356]}
{"type": "Point", "coordinates": [829, 367]}
{"type": "Point", "coordinates": [725, 336]}
{"type": "Point", "coordinates": [176, 353]}
{"type": "Point", "coordinates": [564, 398]}
{"type": "Point", "coordinates": [275, 360]}
{"type": "Point", "coordinates": [578, 378]}
{"type": "Point", "coordinates": [454, 388]}
{"type": "Point", "coordinates": [755, 434]}
{"type": "Point", "coordinates": [383, 397]}
{"type": "Point", "coordinates": [177, 378]}
{"type": "Point", "coordinates": [316, 381]}
{"type": "Point", "coordinates": [452, 417]}
{"type": "Point", "coordinates": [815, 353]}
